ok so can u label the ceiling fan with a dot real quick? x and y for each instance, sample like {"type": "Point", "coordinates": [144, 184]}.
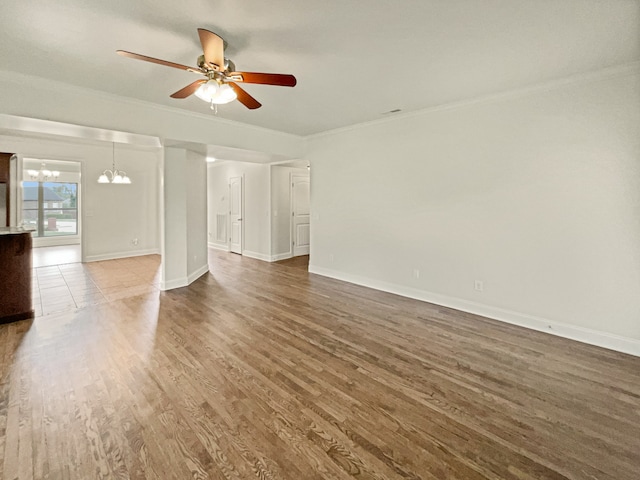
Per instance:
{"type": "Point", "coordinates": [220, 83]}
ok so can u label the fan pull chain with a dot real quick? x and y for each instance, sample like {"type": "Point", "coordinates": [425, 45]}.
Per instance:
{"type": "Point", "coordinates": [214, 107]}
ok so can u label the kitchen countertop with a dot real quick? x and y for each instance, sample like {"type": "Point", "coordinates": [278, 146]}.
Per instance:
{"type": "Point", "coordinates": [14, 230]}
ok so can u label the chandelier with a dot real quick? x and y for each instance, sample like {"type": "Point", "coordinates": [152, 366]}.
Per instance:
{"type": "Point", "coordinates": [114, 175]}
{"type": "Point", "coordinates": [43, 174]}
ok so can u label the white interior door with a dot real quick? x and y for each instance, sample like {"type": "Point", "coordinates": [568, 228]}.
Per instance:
{"type": "Point", "coordinates": [300, 213]}
{"type": "Point", "coordinates": [235, 215]}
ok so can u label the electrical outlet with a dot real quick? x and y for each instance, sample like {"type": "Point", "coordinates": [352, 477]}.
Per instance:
{"type": "Point", "coordinates": [416, 273]}
{"type": "Point", "coordinates": [331, 258]}
{"type": "Point", "coordinates": [479, 285]}
{"type": "Point", "coordinates": [134, 241]}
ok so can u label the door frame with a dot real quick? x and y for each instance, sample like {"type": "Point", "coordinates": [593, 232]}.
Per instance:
{"type": "Point", "coordinates": [229, 224]}
{"type": "Point", "coordinates": [292, 226]}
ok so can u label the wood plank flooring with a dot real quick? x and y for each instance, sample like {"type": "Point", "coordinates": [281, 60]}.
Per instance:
{"type": "Point", "coordinates": [264, 371]}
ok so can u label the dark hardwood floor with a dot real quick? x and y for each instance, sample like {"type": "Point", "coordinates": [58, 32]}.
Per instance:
{"type": "Point", "coordinates": [262, 370]}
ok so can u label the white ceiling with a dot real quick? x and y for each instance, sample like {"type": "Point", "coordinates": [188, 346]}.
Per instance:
{"type": "Point", "coordinates": [354, 60]}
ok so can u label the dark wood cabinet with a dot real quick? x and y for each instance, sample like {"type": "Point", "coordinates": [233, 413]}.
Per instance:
{"type": "Point", "coordinates": [15, 274]}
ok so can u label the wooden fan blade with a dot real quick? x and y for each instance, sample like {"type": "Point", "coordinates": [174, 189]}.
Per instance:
{"type": "Point", "coordinates": [189, 89]}
{"type": "Point", "coordinates": [213, 48]}
{"type": "Point", "coordinates": [280, 79]}
{"type": "Point", "coordinates": [244, 98]}
{"type": "Point", "coordinates": [157, 60]}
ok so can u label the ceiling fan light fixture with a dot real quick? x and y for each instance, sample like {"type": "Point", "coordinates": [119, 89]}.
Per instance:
{"type": "Point", "coordinates": [214, 92]}
{"type": "Point", "coordinates": [225, 94]}
{"type": "Point", "coordinates": [207, 91]}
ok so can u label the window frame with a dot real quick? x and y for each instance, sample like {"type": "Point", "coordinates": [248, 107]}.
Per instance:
{"type": "Point", "coordinates": [41, 218]}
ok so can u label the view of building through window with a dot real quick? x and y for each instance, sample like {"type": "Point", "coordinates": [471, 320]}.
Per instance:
{"type": "Point", "coordinates": [51, 208]}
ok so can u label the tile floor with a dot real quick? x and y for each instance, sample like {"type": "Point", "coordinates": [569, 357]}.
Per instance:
{"type": "Point", "coordinates": [49, 256]}
{"type": "Point", "coordinates": [65, 287]}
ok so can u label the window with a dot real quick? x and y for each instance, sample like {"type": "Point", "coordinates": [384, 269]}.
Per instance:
{"type": "Point", "coordinates": [51, 208]}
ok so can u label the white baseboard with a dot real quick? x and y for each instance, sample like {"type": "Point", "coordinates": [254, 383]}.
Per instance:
{"type": "Point", "coordinates": [259, 256]}
{"type": "Point", "coordinates": [218, 246]}
{"type": "Point", "coordinates": [55, 241]}
{"type": "Point", "coordinates": [281, 256]}
{"type": "Point", "coordinates": [175, 283]}
{"type": "Point", "coordinates": [184, 281]}
{"type": "Point", "coordinates": [580, 334]}
{"type": "Point", "coordinates": [116, 255]}
{"type": "Point", "coordinates": [267, 258]}
{"type": "Point", "coordinates": [198, 273]}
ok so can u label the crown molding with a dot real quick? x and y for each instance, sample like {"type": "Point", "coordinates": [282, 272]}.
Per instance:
{"type": "Point", "coordinates": [55, 85]}
{"type": "Point", "coordinates": [623, 70]}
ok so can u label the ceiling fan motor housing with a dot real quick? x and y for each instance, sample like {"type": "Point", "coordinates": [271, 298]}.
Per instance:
{"type": "Point", "coordinates": [229, 66]}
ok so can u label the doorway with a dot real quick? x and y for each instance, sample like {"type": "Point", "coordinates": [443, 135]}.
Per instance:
{"type": "Point", "coordinates": [49, 204]}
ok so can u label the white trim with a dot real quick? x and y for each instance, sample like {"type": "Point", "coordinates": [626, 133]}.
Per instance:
{"type": "Point", "coordinates": [184, 281]}
{"type": "Point", "coordinates": [631, 68]}
{"type": "Point", "coordinates": [116, 255]}
{"type": "Point", "coordinates": [292, 233]}
{"type": "Point", "coordinates": [164, 285]}
{"type": "Point", "coordinates": [17, 123]}
{"type": "Point", "coordinates": [281, 256]}
{"type": "Point", "coordinates": [82, 213]}
{"type": "Point", "coordinates": [198, 273]}
{"type": "Point", "coordinates": [56, 241]}
{"type": "Point", "coordinates": [176, 283]}
{"type": "Point", "coordinates": [242, 210]}
{"type": "Point", "coordinates": [270, 211]}
{"type": "Point", "coordinates": [572, 332]}
{"type": "Point", "coordinates": [218, 246]}
{"type": "Point", "coordinates": [256, 255]}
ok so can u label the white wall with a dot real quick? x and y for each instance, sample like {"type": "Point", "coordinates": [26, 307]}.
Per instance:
{"type": "Point", "coordinates": [197, 255]}
{"type": "Point", "coordinates": [536, 195]}
{"type": "Point", "coordinates": [174, 219]}
{"type": "Point", "coordinates": [112, 215]}
{"type": "Point", "coordinates": [256, 204]}
{"type": "Point", "coordinates": [184, 246]}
